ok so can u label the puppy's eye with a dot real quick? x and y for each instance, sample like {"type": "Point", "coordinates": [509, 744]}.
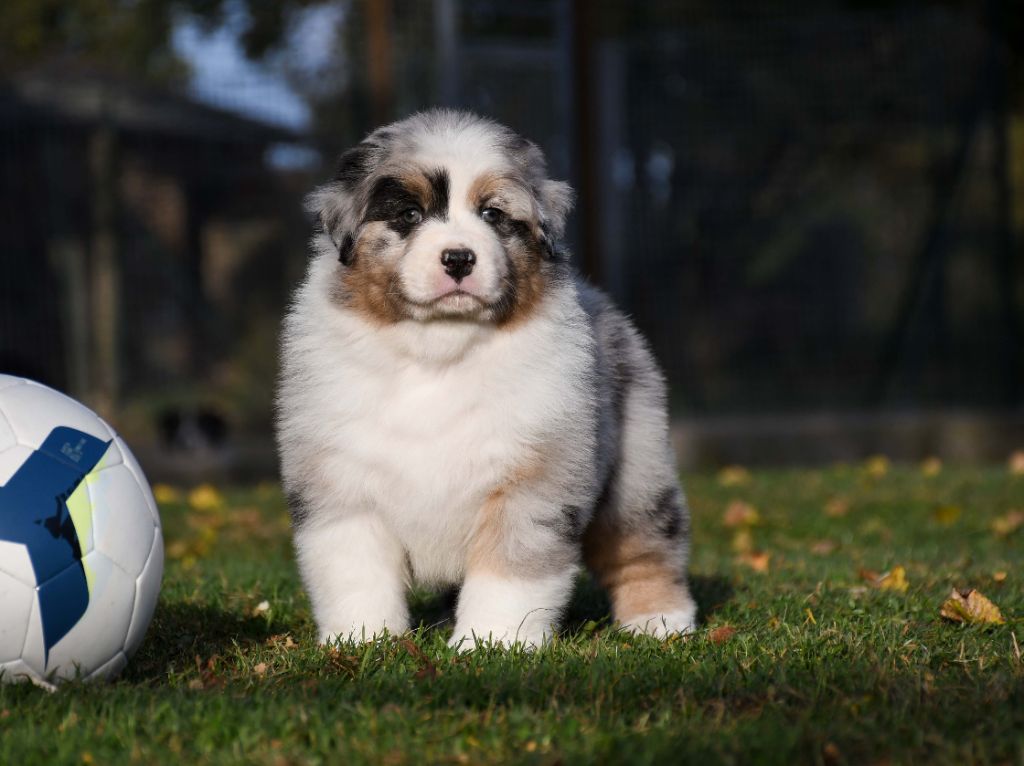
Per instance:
{"type": "Point", "coordinates": [411, 216]}
{"type": "Point", "coordinates": [492, 215]}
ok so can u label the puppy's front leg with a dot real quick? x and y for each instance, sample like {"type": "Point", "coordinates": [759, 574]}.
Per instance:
{"type": "Point", "coordinates": [354, 570]}
{"type": "Point", "coordinates": [519, 574]}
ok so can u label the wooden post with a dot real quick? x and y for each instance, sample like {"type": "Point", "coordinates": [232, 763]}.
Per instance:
{"type": "Point", "coordinates": [105, 271]}
{"type": "Point", "coordinates": [380, 59]}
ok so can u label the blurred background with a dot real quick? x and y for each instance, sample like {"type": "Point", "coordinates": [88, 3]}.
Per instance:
{"type": "Point", "coordinates": [814, 210]}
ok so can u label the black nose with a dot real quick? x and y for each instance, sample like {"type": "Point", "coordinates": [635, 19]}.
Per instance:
{"type": "Point", "coordinates": [458, 263]}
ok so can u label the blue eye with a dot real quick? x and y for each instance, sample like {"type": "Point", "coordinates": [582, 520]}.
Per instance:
{"type": "Point", "coordinates": [492, 215]}
{"type": "Point", "coordinates": [411, 216]}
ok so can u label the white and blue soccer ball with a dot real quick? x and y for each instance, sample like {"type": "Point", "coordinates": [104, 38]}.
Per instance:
{"type": "Point", "coordinates": [81, 550]}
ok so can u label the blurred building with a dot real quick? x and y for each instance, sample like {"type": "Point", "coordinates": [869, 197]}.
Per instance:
{"type": "Point", "coordinates": [814, 210]}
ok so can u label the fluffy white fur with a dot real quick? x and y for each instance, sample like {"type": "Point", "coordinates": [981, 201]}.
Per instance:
{"type": "Point", "coordinates": [396, 437]}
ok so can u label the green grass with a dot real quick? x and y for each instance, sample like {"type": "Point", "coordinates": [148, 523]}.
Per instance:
{"type": "Point", "coordinates": [822, 666]}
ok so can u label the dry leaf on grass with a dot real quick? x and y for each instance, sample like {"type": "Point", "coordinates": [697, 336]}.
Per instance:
{"type": "Point", "coordinates": [876, 466]}
{"type": "Point", "coordinates": [1008, 524]}
{"type": "Point", "coordinates": [722, 634]}
{"type": "Point", "coordinates": [931, 466]}
{"type": "Point", "coordinates": [970, 606]}
{"type": "Point", "coordinates": [260, 669]}
{"type": "Point", "coordinates": [756, 560]}
{"type": "Point", "coordinates": [824, 547]}
{"type": "Point", "coordinates": [165, 493]}
{"type": "Point", "coordinates": [743, 541]}
{"type": "Point", "coordinates": [947, 515]}
{"type": "Point", "coordinates": [894, 579]}
{"type": "Point", "coordinates": [1016, 463]}
{"type": "Point", "coordinates": [733, 476]}
{"type": "Point", "coordinates": [999, 576]}
{"type": "Point", "coordinates": [740, 514]}
{"type": "Point", "coordinates": [837, 507]}
{"type": "Point", "coordinates": [206, 497]}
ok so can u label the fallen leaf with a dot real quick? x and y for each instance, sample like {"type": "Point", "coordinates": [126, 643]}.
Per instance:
{"type": "Point", "coordinates": [876, 466]}
{"type": "Point", "coordinates": [758, 561]}
{"type": "Point", "coordinates": [830, 753]}
{"type": "Point", "coordinates": [733, 476]}
{"type": "Point", "coordinates": [722, 634]}
{"type": "Point", "coordinates": [206, 497]}
{"type": "Point", "coordinates": [260, 669]}
{"type": "Point", "coordinates": [740, 514]}
{"type": "Point", "coordinates": [970, 606]}
{"type": "Point", "coordinates": [894, 579]}
{"type": "Point", "coordinates": [824, 547]}
{"type": "Point", "coordinates": [1016, 463]}
{"type": "Point", "coordinates": [837, 507]}
{"type": "Point", "coordinates": [999, 576]}
{"type": "Point", "coordinates": [868, 575]}
{"type": "Point", "coordinates": [947, 515]}
{"type": "Point", "coordinates": [1008, 524]}
{"type": "Point", "coordinates": [743, 541]}
{"type": "Point", "coordinates": [931, 466]}
{"type": "Point", "coordinates": [260, 608]}
{"type": "Point", "coordinates": [810, 617]}
{"type": "Point", "coordinates": [165, 493]}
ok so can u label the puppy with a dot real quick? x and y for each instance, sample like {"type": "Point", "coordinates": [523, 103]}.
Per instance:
{"type": "Point", "coordinates": [456, 406]}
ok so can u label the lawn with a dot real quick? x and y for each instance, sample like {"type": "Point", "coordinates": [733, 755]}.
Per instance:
{"type": "Point", "coordinates": [807, 652]}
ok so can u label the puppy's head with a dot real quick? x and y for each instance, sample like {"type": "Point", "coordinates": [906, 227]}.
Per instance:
{"type": "Point", "coordinates": [443, 216]}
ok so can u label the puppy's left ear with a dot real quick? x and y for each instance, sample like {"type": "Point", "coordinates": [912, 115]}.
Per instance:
{"type": "Point", "coordinates": [556, 198]}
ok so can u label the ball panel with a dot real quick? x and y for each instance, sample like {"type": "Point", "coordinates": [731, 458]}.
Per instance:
{"type": "Point", "coordinates": [15, 562]}
{"type": "Point", "coordinates": [33, 653]}
{"type": "Point", "coordinates": [17, 671]}
{"type": "Point", "coordinates": [15, 610]}
{"type": "Point", "coordinates": [122, 524]}
{"type": "Point", "coordinates": [99, 634]}
{"type": "Point", "coordinates": [133, 465]}
{"type": "Point", "coordinates": [6, 381]}
{"type": "Point", "coordinates": [11, 460]}
{"type": "Point", "coordinates": [147, 592]}
{"type": "Point", "coordinates": [110, 669]}
{"type": "Point", "coordinates": [7, 437]}
{"type": "Point", "coordinates": [24, 405]}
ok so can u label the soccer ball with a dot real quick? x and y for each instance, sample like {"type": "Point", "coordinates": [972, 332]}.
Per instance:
{"type": "Point", "coordinates": [81, 551]}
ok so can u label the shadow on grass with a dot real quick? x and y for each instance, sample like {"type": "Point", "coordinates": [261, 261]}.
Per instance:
{"type": "Point", "coordinates": [181, 632]}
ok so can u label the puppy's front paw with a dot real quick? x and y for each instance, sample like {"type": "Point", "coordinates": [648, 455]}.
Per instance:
{"type": "Point", "coordinates": [663, 625]}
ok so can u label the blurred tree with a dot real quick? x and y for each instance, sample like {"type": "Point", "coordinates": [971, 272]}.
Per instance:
{"type": "Point", "coordinates": [128, 35]}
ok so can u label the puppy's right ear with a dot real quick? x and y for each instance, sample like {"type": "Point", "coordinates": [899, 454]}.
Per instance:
{"type": "Point", "coordinates": [335, 205]}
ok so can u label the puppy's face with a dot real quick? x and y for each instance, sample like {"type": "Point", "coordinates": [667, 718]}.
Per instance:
{"type": "Point", "coordinates": [443, 216]}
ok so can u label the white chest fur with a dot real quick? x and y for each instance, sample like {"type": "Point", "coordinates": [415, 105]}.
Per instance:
{"type": "Point", "coordinates": [421, 425]}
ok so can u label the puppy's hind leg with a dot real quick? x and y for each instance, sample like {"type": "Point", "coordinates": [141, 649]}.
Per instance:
{"type": "Point", "coordinates": [354, 571]}
{"type": "Point", "coordinates": [643, 566]}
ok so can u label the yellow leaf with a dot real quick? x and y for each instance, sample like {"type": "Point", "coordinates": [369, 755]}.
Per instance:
{"type": "Point", "coordinates": [837, 507]}
{"type": "Point", "coordinates": [260, 669]}
{"type": "Point", "coordinates": [165, 494]}
{"type": "Point", "coordinates": [733, 476]}
{"type": "Point", "coordinates": [810, 617]}
{"type": "Point", "coordinates": [740, 514]}
{"type": "Point", "coordinates": [931, 466]}
{"type": "Point", "coordinates": [877, 466]}
{"type": "Point", "coordinates": [947, 515]}
{"type": "Point", "coordinates": [743, 541]}
{"type": "Point", "coordinates": [894, 579]}
{"type": "Point", "coordinates": [999, 576]}
{"type": "Point", "coordinates": [1016, 463]}
{"type": "Point", "coordinates": [970, 606]}
{"type": "Point", "coordinates": [1008, 524]}
{"type": "Point", "coordinates": [206, 497]}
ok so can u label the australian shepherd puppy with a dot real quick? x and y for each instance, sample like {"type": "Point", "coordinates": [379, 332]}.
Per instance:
{"type": "Point", "coordinates": [457, 407]}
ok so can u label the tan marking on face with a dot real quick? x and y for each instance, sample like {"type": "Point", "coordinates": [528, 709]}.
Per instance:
{"type": "Point", "coordinates": [369, 286]}
{"type": "Point", "coordinates": [503, 192]}
{"type": "Point", "coordinates": [487, 545]}
{"type": "Point", "coordinates": [640, 578]}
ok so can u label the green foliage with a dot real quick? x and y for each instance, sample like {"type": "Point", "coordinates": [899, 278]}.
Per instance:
{"type": "Point", "coordinates": [807, 662]}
